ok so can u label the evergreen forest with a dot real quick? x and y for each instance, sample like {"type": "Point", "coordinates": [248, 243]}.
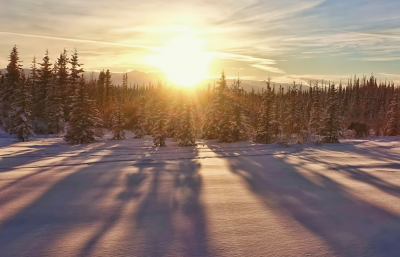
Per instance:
{"type": "Point", "coordinates": [55, 98]}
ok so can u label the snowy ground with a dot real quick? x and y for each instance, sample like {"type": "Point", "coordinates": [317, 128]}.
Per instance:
{"type": "Point", "coordinates": [129, 198]}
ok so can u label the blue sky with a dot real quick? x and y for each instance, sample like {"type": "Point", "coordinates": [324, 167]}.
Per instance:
{"type": "Point", "coordinates": [286, 40]}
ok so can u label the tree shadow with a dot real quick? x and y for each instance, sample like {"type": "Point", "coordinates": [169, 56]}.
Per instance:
{"type": "Point", "coordinates": [349, 225]}
{"type": "Point", "coordinates": [171, 216]}
{"type": "Point", "coordinates": [55, 213]}
{"type": "Point", "coordinates": [355, 172]}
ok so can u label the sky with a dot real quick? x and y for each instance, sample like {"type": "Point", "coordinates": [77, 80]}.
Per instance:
{"type": "Point", "coordinates": [286, 40]}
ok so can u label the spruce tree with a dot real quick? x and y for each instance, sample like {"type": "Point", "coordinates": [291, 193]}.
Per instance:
{"type": "Point", "coordinates": [210, 127]}
{"type": "Point", "coordinates": [317, 112]}
{"type": "Point", "coordinates": [100, 88]}
{"type": "Point", "coordinates": [117, 123]}
{"type": "Point", "coordinates": [392, 127]}
{"type": "Point", "coordinates": [331, 128]}
{"type": "Point", "coordinates": [10, 84]}
{"type": "Point", "coordinates": [33, 81]}
{"type": "Point", "coordinates": [224, 129]}
{"type": "Point", "coordinates": [84, 124]}
{"type": "Point", "coordinates": [160, 125]}
{"type": "Point", "coordinates": [174, 120]}
{"type": "Point", "coordinates": [45, 79]}
{"type": "Point", "coordinates": [216, 125]}
{"type": "Point", "coordinates": [20, 114]}
{"type": "Point", "coordinates": [293, 116]}
{"type": "Point", "coordinates": [239, 121]}
{"type": "Point", "coordinates": [54, 106]}
{"type": "Point", "coordinates": [186, 135]}
{"type": "Point", "coordinates": [74, 78]}
{"type": "Point", "coordinates": [139, 128]}
{"type": "Point", "coordinates": [62, 81]}
{"type": "Point", "coordinates": [267, 124]}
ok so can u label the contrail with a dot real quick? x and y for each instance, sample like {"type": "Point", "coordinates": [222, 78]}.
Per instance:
{"type": "Point", "coordinates": [78, 40]}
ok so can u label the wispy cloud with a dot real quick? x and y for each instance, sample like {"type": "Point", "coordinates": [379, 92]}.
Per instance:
{"type": "Point", "coordinates": [77, 40]}
{"type": "Point", "coordinates": [250, 36]}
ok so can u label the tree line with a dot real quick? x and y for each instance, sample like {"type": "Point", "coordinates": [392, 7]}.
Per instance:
{"type": "Point", "coordinates": [56, 98]}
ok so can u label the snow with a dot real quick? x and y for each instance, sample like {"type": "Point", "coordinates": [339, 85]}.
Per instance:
{"type": "Point", "coordinates": [129, 198]}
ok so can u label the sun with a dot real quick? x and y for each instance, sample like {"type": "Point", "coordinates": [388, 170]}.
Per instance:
{"type": "Point", "coordinates": [184, 60]}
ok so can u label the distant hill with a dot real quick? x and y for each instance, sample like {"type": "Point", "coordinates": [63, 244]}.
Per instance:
{"type": "Point", "coordinates": [143, 78]}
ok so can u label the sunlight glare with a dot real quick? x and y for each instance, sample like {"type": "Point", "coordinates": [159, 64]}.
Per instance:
{"type": "Point", "coordinates": [183, 60]}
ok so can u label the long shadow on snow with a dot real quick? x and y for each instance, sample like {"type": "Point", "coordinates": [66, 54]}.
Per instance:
{"type": "Point", "coordinates": [61, 210]}
{"type": "Point", "coordinates": [351, 226]}
{"type": "Point", "coordinates": [355, 171]}
{"type": "Point", "coordinates": [171, 218]}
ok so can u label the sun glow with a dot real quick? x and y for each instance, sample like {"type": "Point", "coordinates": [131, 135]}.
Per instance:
{"type": "Point", "coordinates": [183, 60]}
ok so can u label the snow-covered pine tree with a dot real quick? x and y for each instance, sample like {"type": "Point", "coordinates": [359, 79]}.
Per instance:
{"type": "Point", "coordinates": [331, 128]}
{"type": "Point", "coordinates": [317, 112]}
{"type": "Point", "coordinates": [139, 128]}
{"type": "Point", "coordinates": [125, 83]}
{"type": "Point", "coordinates": [54, 106]}
{"type": "Point", "coordinates": [33, 80]}
{"type": "Point", "coordinates": [108, 99]}
{"type": "Point", "coordinates": [267, 124]}
{"type": "Point", "coordinates": [293, 117]}
{"type": "Point", "coordinates": [392, 126]}
{"type": "Point", "coordinates": [9, 85]}
{"type": "Point", "coordinates": [62, 81]}
{"type": "Point", "coordinates": [173, 124]}
{"type": "Point", "coordinates": [210, 127]}
{"type": "Point", "coordinates": [84, 124]}
{"type": "Point", "coordinates": [217, 124]}
{"type": "Point", "coordinates": [117, 122]}
{"type": "Point", "coordinates": [160, 125]}
{"type": "Point", "coordinates": [239, 122]}
{"type": "Point", "coordinates": [186, 135]}
{"type": "Point", "coordinates": [20, 114]}
{"type": "Point", "coordinates": [74, 78]}
{"type": "Point", "coordinates": [224, 111]}
{"type": "Point", "coordinates": [45, 80]}
{"type": "Point", "coordinates": [100, 89]}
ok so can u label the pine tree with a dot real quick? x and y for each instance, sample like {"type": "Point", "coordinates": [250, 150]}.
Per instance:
{"type": "Point", "coordinates": [331, 129]}
{"type": "Point", "coordinates": [160, 125]}
{"type": "Point", "coordinates": [84, 124]}
{"type": "Point", "coordinates": [100, 87]}
{"type": "Point", "coordinates": [20, 114]}
{"type": "Point", "coordinates": [267, 125]}
{"type": "Point", "coordinates": [44, 84]}
{"type": "Point", "coordinates": [216, 115]}
{"type": "Point", "coordinates": [62, 81]}
{"type": "Point", "coordinates": [140, 126]}
{"type": "Point", "coordinates": [33, 81]}
{"type": "Point", "coordinates": [54, 106]}
{"type": "Point", "coordinates": [392, 127]}
{"type": "Point", "coordinates": [117, 123]}
{"type": "Point", "coordinates": [125, 83]}
{"type": "Point", "coordinates": [186, 130]}
{"type": "Point", "coordinates": [108, 98]}
{"type": "Point", "coordinates": [11, 82]}
{"type": "Point", "coordinates": [239, 120]}
{"type": "Point", "coordinates": [75, 74]}
{"type": "Point", "coordinates": [317, 112]}
{"type": "Point", "coordinates": [224, 128]}
{"type": "Point", "coordinates": [210, 127]}
{"type": "Point", "coordinates": [293, 116]}
{"type": "Point", "coordinates": [174, 120]}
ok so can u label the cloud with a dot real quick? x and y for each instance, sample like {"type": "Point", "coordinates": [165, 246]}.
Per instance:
{"type": "Point", "coordinates": [77, 40]}
{"type": "Point", "coordinates": [251, 35]}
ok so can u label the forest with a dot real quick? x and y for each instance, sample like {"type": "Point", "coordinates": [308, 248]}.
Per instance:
{"type": "Point", "coordinates": [56, 99]}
